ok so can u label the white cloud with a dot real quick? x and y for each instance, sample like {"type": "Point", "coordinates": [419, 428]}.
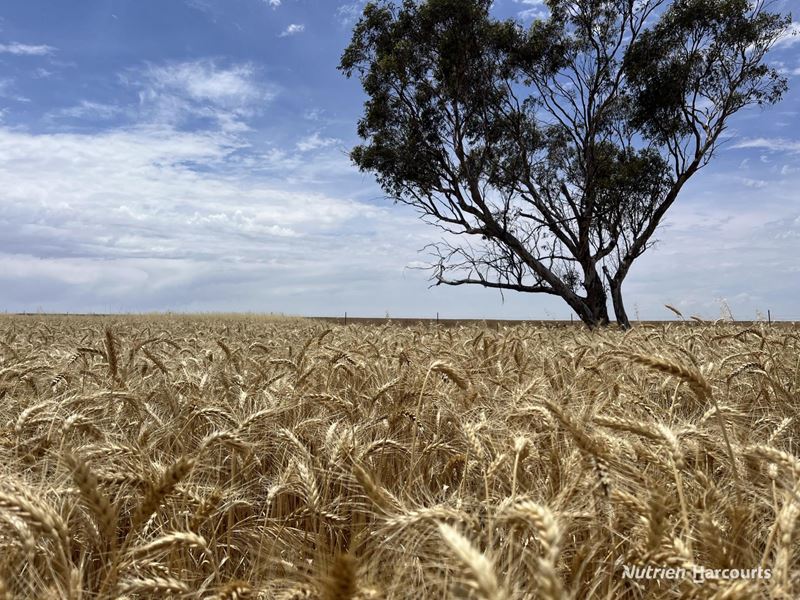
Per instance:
{"type": "Point", "coordinates": [350, 12]}
{"type": "Point", "coordinates": [537, 9]}
{"type": "Point", "coordinates": [91, 110]}
{"type": "Point", "coordinates": [273, 3]}
{"type": "Point", "coordinates": [26, 49]}
{"type": "Point", "coordinates": [314, 114]}
{"type": "Point", "coordinates": [173, 92]}
{"type": "Point", "coordinates": [789, 169]}
{"type": "Point", "coordinates": [293, 29]}
{"type": "Point", "coordinates": [209, 7]}
{"type": "Point", "coordinates": [170, 219]}
{"type": "Point", "coordinates": [315, 142]}
{"type": "Point", "coordinates": [755, 184]}
{"type": "Point", "coordinates": [773, 144]}
{"type": "Point", "coordinates": [203, 80]}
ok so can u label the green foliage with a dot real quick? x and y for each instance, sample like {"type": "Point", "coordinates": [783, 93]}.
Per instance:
{"type": "Point", "coordinates": [415, 65]}
{"type": "Point", "coordinates": [696, 48]}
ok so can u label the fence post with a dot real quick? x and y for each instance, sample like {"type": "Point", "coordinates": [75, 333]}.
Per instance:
{"type": "Point", "coordinates": [345, 317]}
{"type": "Point", "coordinates": [769, 317]}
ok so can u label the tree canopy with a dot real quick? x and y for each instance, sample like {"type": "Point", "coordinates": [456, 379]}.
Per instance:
{"type": "Point", "coordinates": [550, 154]}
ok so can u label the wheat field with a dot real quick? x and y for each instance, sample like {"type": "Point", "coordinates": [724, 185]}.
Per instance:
{"type": "Point", "coordinates": [246, 457]}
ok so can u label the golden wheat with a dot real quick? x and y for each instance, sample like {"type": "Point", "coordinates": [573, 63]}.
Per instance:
{"type": "Point", "coordinates": [233, 457]}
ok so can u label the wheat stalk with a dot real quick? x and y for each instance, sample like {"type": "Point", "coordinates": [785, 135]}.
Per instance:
{"type": "Point", "coordinates": [95, 500]}
{"type": "Point", "coordinates": [478, 567]}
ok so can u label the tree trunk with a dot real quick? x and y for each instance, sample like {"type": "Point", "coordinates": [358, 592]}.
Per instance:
{"type": "Point", "coordinates": [598, 310]}
{"type": "Point", "coordinates": [596, 300]}
{"type": "Point", "coordinates": [615, 287]}
{"type": "Point", "coordinates": [619, 307]}
{"type": "Point", "coordinates": [592, 309]}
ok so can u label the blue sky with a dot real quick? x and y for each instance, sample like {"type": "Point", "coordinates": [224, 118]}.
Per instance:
{"type": "Point", "coordinates": [191, 155]}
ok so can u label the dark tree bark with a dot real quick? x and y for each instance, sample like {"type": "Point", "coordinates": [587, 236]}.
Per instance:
{"type": "Point", "coordinates": [615, 290]}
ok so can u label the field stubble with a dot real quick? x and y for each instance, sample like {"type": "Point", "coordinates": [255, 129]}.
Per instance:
{"type": "Point", "coordinates": [255, 458]}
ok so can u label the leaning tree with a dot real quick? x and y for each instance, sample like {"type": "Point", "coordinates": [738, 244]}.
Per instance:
{"type": "Point", "coordinates": [549, 155]}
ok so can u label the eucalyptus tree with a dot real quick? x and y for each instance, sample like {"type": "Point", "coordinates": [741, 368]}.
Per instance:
{"type": "Point", "coordinates": [549, 155]}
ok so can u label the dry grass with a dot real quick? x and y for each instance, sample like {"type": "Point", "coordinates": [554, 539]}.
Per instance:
{"type": "Point", "coordinates": [225, 457]}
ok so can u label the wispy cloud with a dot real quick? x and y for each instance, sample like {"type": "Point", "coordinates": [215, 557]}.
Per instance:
{"type": "Point", "coordinates": [171, 219]}
{"type": "Point", "coordinates": [172, 92]}
{"type": "Point", "coordinates": [349, 12]}
{"type": "Point", "coordinates": [91, 110]}
{"type": "Point", "coordinates": [7, 90]}
{"type": "Point", "coordinates": [537, 9]}
{"type": "Point", "coordinates": [273, 3]}
{"type": "Point", "coordinates": [26, 49]}
{"type": "Point", "coordinates": [204, 80]}
{"type": "Point", "coordinates": [773, 144]}
{"type": "Point", "coordinates": [756, 184]}
{"type": "Point", "coordinates": [315, 142]}
{"type": "Point", "coordinates": [314, 114]}
{"type": "Point", "coordinates": [293, 29]}
{"type": "Point", "coordinates": [152, 184]}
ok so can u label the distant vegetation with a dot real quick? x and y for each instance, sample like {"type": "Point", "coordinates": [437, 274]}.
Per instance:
{"type": "Point", "coordinates": [258, 458]}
